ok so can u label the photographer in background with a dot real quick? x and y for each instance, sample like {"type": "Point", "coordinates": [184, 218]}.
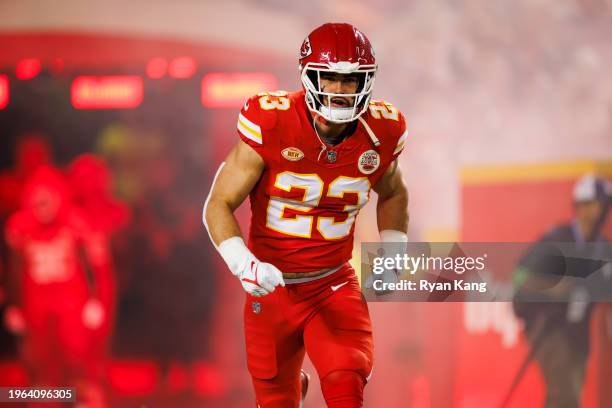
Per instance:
{"type": "Point", "coordinates": [558, 329]}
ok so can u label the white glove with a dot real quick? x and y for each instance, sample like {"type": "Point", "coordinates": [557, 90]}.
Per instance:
{"type": "Point", "coordinates": [93, 314]}
{"type": "Point", "coordinates": [394, 243]}
{"type": "Point", "coordinates": [14, 320]}
{"type": "Point", "coordinates": [257, 278]}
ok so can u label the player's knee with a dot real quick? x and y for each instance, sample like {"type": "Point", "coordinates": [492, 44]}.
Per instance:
{"type": "Point", "coordinates": [351, 360]}
{"type": "Point", "coordinates": [343, 389]}
{"type": "Point", "coordinates": [276, 394]}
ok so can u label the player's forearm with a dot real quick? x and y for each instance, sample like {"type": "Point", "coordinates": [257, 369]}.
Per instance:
{"type": "Point", "coordinates": [392, 210]}
{"type": "Point", "coordinates": [220, 221]}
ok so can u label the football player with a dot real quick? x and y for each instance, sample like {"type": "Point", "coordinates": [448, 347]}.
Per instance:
{"type": "Point", "coordinates": [308, 161]}
{"type": "Point", "coordinates": [60, 283]}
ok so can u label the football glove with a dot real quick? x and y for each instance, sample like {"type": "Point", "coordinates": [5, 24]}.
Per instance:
{"type": "Point", "coordinates": [394, 243]}
{"type": "Point", "coordinates": [257, 278]}
{"type": "Point", "coordinates": [93, 314]}
{"type": "Point", "coordinates": [14, 320]}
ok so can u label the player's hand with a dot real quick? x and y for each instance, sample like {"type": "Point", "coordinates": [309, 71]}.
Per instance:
{"type": "Point", "coordinates": [93, 314]}
{"type": "Point", "coordinates": [392, 243]}
{"type": "Point", "coordinates": [14, 320]}
{"type": "Point", "coordinates": [260, 278]}
{"type": "Point", "coordinates": [257, 278]}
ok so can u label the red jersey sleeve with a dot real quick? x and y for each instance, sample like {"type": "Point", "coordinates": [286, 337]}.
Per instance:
{"type": "Point", "coordinates": [402, 135]}
{"type": "Point", "coordinates": [16, 229]}
{"type": "Point", "coordinates": [258, 118]}
{"type": "Point", "coordinates": [249, 124]}
{"type": "Point", "coordinates": [390, 125]}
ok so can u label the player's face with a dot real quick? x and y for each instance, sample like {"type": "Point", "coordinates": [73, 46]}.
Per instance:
{"type": "Point", "coordinates": [341, 84]}
{"type": "Point", "coordinates": [588, 212]}
{"type": "Point", "coordinates": [44, 204]}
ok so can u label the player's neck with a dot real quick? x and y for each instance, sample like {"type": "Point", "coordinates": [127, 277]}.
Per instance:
{"type": "Point", "coordinates": [331, 133]}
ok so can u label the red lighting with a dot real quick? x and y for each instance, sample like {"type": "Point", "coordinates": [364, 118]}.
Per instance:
{"type": "Point", "coordinates": [221, 90]}
{"type": "Point", "coordinates": [157, 68]}
{"type": "Point", "coordinates": [133, 377]}
{"type": "Point", "coordinates": [57, 66]}
{"type": "Point", "coordinates": [107, 92]}
{"type": "Point", "coordinates": [182, 67]}
{"type": "Point", "coordinates": [4, 91]}
{"type": "Point", "coordinates": [27, 68]}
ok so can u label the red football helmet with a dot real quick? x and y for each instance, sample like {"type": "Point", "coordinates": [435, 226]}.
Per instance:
{"type": "Point", "coordinates": [342, 49]}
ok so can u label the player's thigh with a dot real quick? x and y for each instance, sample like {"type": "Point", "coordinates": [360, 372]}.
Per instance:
{"type": "Point", "coordinates": [275, 351]}
{"type": "Point", "coordinates": [339, 335]}
{"type": "Point", "coordinates": [74, 337]}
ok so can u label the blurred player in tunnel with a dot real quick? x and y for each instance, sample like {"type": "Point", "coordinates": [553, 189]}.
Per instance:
{"type": "Point", "coordinates": [91, 184]}
{"type": "Point", "coordinates": [308, 160]}
{"type": "Point", "coordinates": [31, 152]}
{"type": "Point", "coordinates": [58, 285]}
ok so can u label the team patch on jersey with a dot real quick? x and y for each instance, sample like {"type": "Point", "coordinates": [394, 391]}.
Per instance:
{"type": "Point", "coordinates": [256, 307]}
{"type": "Point", "coordinates": [292, 154]}
{"type": "Point", "coordinates": [368, 162]}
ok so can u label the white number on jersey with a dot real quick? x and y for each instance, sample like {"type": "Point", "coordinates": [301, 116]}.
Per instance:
{"type": "Point", "coordinates": [313, 186]}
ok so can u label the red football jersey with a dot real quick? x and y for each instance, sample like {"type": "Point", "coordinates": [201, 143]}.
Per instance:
{"type": "Point", "coordinates": [305, 204]}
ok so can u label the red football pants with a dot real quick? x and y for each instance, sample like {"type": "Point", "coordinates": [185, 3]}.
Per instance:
{"type": "Point", "coordinates": [57, 347]}
{"type": "Point", "coordinates": [327, 318]}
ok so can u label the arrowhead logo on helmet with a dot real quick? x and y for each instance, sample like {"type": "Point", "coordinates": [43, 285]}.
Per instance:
{"type": "Point", "coordinates": [305, 50]}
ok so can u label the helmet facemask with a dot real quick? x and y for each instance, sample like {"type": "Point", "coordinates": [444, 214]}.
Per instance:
{"type": "Point", "coordinates": [316, 98]}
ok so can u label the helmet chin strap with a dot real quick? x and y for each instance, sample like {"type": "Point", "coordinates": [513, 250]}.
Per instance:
{"type": "Point", "coordinates": [375, 141]}
{"type": "Point", "coordinates": [314, 125]}
{"type": "Point", "coordinates": [368, 129]}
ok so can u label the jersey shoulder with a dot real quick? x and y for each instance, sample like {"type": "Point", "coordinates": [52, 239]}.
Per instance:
{"type": "Point", "coordinates": [17, 228]}
{"type": "Point", "coordinates": [559, 233]}
{"type": "Point", "coordinates": [388, 124]}
{"type": "Point", "coordinates": [263, 112]}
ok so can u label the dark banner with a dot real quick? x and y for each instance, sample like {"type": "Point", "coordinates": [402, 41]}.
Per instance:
{"type": "Point", "coordinates": [487, 272]}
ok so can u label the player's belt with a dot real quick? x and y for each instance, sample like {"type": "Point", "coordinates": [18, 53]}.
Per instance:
{"type": "Point", "coordinates": [301, 277]}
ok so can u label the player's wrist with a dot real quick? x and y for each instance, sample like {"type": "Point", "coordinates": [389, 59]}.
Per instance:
{"type": "Point", "coordinates": [235, 253]}
{"type": "Point", "coordinates": [393, 236]}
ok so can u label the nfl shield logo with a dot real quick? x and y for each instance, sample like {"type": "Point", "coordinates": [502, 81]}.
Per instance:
{"type": "Point", "coordinates": [331, 156]}
{"type": "Point", "coordinates": [256, 307]}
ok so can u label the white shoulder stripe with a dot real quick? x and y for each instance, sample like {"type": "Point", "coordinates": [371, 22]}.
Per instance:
{"type": "Point", "coordinates": [403, 137]}
{"type": "Point", "coordinates": [247, 123]}
{"type": "Point", "coordinates": [249, 134]}
{"type": "Point", "coordinates": [400, 142]}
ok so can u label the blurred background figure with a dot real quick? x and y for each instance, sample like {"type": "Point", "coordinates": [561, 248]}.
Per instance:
{"type": "Point", "coordinates": [59, 284]}
{"type": "Point", "coordinates": [91, 187]}
{"type": "Point", "coordinates": [558, 329]}
{"type": "Point", "coordinates": [31, 152]}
